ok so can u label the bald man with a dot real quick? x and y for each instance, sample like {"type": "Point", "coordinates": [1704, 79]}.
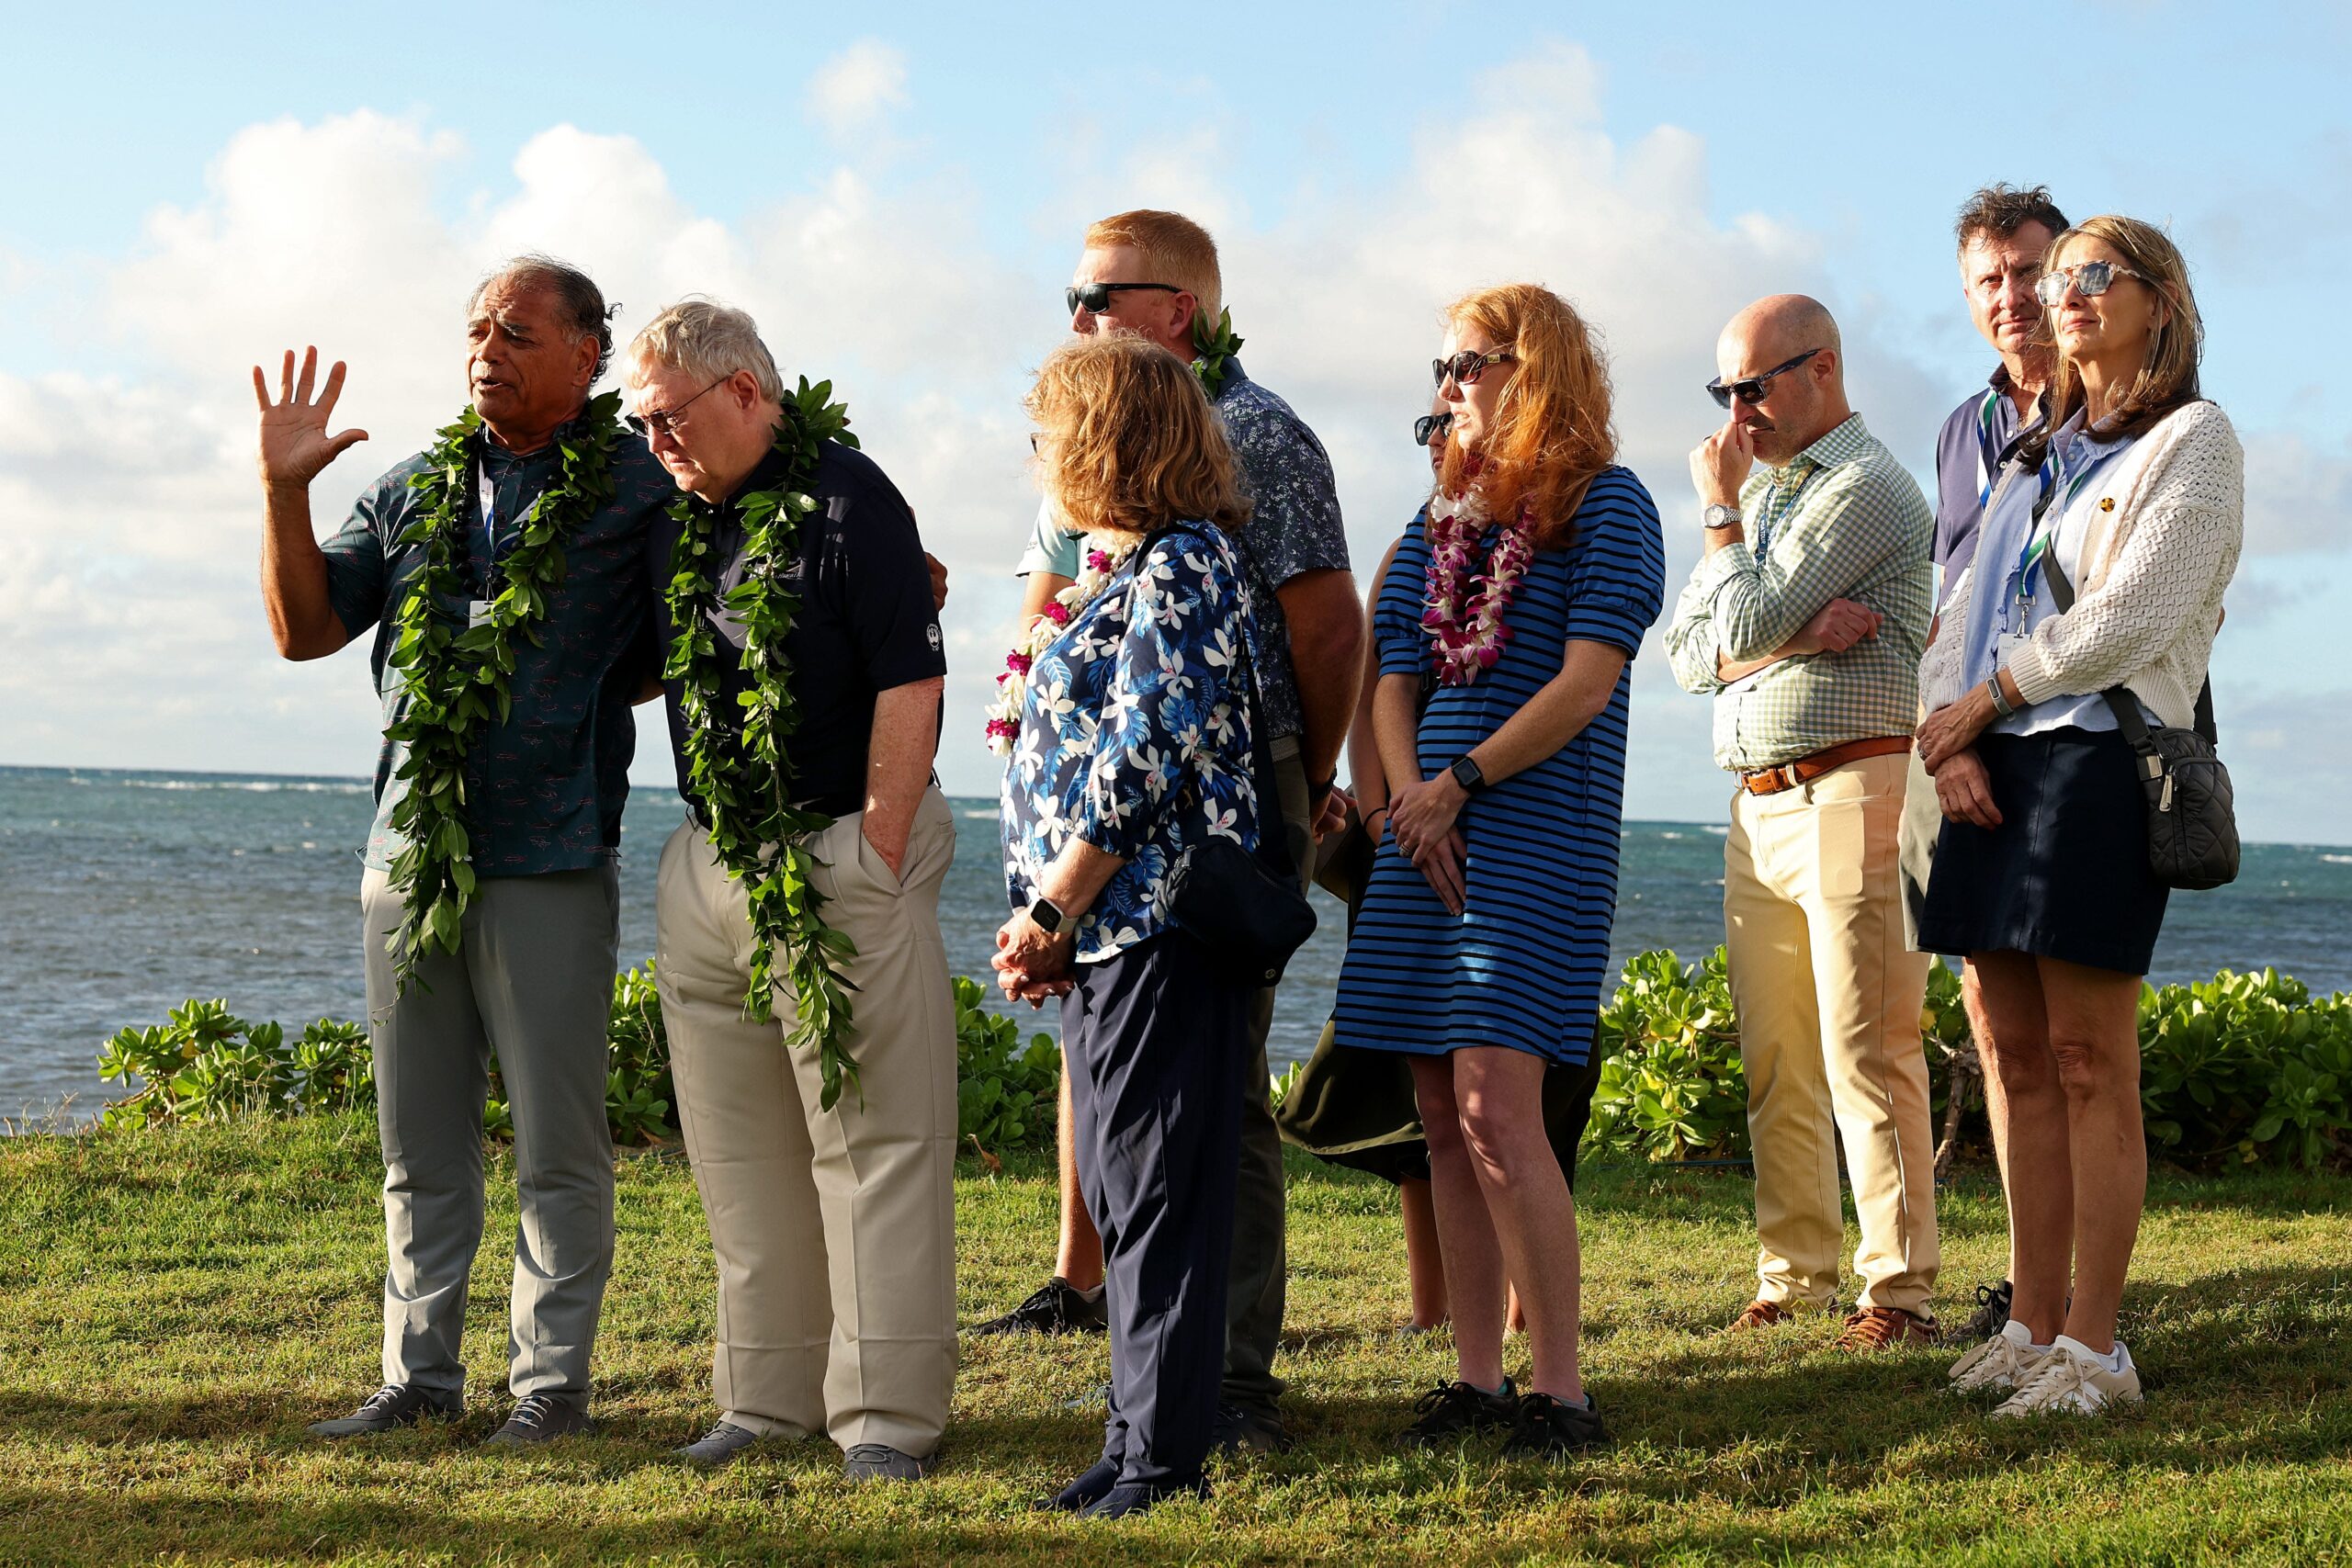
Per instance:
{"type": "Point", "coordinates": [1805, 621]}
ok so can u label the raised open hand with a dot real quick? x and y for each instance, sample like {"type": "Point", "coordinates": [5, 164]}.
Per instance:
{"type": "Point", "coordinates": [295, 445]}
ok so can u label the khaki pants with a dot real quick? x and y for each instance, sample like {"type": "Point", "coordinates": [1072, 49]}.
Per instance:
{"type": "Point", "coordinates": [1829, 997]}
{"type": "Point", "coordinates": [836, 1230]}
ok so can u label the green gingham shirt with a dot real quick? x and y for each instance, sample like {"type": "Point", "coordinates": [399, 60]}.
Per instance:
{"type": "Point", "coordinates": [1843, 520]}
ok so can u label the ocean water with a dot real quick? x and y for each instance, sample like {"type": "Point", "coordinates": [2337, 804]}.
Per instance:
{"type": "Point", "coordinates": [123, 894]}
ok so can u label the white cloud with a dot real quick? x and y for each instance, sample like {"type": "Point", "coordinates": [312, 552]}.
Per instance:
{"type": "Point", "coordinates": [858, 87]}
{"type": "Point", "coordinates": [2297, 496]}
{"type": "Point", "coordinates": [130, 631]}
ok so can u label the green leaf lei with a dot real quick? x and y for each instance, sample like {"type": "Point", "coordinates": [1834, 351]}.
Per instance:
{"type": "Point", "coordinates": [456, 677]}
{"type": "Point", "coordinates": [1211, 348]}
{"type": "Point", "coordinates": [742, 791]}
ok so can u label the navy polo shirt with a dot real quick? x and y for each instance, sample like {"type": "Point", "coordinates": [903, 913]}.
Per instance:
{"type": "Point", "coordinates": [1975, 440]}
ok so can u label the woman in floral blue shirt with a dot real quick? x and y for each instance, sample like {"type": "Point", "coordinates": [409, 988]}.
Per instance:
{"type": "Point", "coordinates": [1132, 743]}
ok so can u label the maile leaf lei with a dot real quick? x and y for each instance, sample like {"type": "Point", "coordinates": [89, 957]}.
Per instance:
{"type": "Point", "coordinates": [455, 678]}
{"type": "Point", "coordinates": [1213, 348]}
{"type": "Point", "coordinates": [740, 771]}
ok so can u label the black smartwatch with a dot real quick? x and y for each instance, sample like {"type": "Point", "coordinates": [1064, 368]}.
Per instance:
{"type": "Point", "coordinates": [1047, 914]}
{"type": "Point", "coordinates": [1465, 773]}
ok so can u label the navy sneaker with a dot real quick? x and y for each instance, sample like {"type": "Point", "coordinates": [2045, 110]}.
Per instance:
{"type": "Point", "coordinates": [1084, 1492]}
{"type": "Point", "coordinates": [1136, 1497]}
{"type": "Point", "coordinates": [391, 1407]}
{"type": "Point", "coordinates": [541, 1418]}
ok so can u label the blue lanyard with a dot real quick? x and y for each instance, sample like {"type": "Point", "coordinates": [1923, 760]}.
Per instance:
{"type": "Point", "coordinates": [2045, 539]}
{"type": "Point", "coordinates": [1987, 458]}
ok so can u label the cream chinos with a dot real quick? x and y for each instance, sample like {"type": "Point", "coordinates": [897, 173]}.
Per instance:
{"type": "Point", "coordinates": [834, 1229]}
{"type": "Point", "coordinates": [532, 979]}
{"type": "Point", "coordinates": [1829, 994]}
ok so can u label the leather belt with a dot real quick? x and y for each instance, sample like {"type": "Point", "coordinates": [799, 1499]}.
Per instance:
{"type": "Point", "coordinates": [1804, 770]}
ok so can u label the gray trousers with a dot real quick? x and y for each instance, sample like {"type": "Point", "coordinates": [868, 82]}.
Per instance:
{"type": "Point", "coordinates": [1256, 1286]}
{"type": "Point", "coordinates": [533, 978]}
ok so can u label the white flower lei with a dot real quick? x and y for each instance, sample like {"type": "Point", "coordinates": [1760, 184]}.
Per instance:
{"type": "Point", "coordinates": [1103, 554]}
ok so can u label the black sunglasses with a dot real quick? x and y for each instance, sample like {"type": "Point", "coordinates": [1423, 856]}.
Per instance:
{"type": "Point", "coordinates": [1753, 389]}
{"type": "Point", "coordinates": [1095, 297]}
{"type": "Point", "coordinates": [1431, 427]}
{"type": "Point", "coordinates": [1466, 366]}
{"type": "Point", "coordinates": [660, 421]}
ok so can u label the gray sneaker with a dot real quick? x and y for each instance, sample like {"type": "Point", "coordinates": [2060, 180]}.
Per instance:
{"type": "Point", "coordinates": [880, 1461]}
{"type": "Point", "coordinates": [718, 1446]}
{"type": "Point", "coordinates": [391, 1407]}
{"type": "Point", "coordinates": [541, 1417]}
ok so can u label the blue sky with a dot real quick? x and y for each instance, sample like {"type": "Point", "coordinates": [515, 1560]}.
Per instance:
{"type": "Point", "coordinates": [896, 191]}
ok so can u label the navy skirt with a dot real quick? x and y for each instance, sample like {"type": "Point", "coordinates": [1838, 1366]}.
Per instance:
{"type": "Point", "coordinates": [2065, 874]}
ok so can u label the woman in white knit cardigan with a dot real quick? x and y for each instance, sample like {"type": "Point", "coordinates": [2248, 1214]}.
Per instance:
{"type": "Point", "coordinates": [2136, 502]}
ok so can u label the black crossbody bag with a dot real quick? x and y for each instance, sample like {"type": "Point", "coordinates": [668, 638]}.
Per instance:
{"type": "Point", "coordinates": [1245, 907]}
{"type": "Point", "coordinates": [2192, 808]}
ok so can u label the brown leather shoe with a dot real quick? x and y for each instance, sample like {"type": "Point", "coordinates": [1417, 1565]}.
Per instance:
{"type": "Point", "coordinates": [1886, 1328]}
{"type": "Point", "coordinates": [1760, 1313]}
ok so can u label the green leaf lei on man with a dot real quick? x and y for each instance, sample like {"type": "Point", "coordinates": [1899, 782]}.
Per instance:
{"type": "Point", "coordinates": [456, 680]}
{"type": "Point", "coordinates": [741, 791]}
{"type": "Point", "coordinates": [1211, 348]}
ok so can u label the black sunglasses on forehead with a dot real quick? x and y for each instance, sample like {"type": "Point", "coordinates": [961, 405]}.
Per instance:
{"type": "Point", "coordinates": [1095, 297]}
{"type": "Point", "coordinates": [1754, 389]}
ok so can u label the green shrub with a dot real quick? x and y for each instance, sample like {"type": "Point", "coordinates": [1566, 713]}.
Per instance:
{"type": "Point", "coordinates": [1670, 1087]}
{"type": "Point", "coordinates": [1006, 1093]}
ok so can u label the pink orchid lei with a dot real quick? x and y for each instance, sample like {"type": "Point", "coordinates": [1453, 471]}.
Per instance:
{"type": "Point", "coordinates": [1105, 553]}
{"type": "Point", "coordinates": [1463, 612]}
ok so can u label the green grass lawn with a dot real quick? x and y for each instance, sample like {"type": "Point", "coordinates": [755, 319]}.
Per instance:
{"type": "Point", "coordinates": [175, 1306]}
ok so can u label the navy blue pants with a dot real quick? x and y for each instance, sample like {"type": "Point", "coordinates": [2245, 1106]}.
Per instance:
{"type": "Point", "coordinates": [1157, 1043]}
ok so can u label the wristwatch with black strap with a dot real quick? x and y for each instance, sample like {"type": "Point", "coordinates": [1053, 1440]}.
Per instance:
{"type": "Point", "coordinates": [1465, 773]}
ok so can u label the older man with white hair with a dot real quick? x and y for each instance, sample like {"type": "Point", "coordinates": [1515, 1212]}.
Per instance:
{"type": "Point", "coordinates": [804, 981]}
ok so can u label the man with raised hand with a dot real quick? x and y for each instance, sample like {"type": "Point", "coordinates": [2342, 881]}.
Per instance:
{"type": "Point", "coordinates": [2002, 233]}
{"type": "Point", "coordinates": [1156, 274]}
{"type": "Point", "coordinates": [490, 900]}
{"type": "Point", "coordinates": [803, 980]}
{"type": "Point", "coordinates": [1805, 619]}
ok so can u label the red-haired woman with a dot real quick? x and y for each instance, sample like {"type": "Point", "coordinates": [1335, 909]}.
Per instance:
{"type": "Point", "coordinates": [1506, 624]}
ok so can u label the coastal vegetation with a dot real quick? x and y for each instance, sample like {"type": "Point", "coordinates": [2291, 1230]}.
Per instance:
{"type": "Point", "coordinates": [2243, 1070]}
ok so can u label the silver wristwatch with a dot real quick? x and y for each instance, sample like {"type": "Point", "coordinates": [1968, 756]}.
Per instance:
{"type": "Point", "coordinates": [1720, 516]}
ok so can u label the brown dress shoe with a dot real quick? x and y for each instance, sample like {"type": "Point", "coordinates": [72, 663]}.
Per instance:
{"type": "Point", "coordinates": [1760, 1313]}
{"type": "Point", "coordinates": [1885, 1328]}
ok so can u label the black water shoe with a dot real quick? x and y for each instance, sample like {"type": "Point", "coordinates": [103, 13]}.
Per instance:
{"type": "Point", "coordinates": [1453, 1410]}
{"type": "Point", "coordinates": [1057, 1307]}
{"type": "Point", "coordinates": [1552, 1429]}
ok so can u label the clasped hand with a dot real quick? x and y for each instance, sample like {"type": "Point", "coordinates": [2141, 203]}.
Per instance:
{"type": "Point", "coordinates": [1031, 965]}
{"type": "Point", "coordinates": [1947, 739]}
{"type": "Point", "coordinates": [1422, 818]}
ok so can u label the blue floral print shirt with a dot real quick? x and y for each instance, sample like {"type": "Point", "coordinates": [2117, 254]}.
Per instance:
{"type": "Point", "coordinates": [1133, 736]}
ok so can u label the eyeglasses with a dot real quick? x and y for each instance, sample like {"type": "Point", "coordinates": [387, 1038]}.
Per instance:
{"type": "Point", "coordinates": [1431, 428]}
{"type": "Point", "coordinates": [1466, 366]}
{"type": "Point", "coordinates": [664, 422]}
{"type": "Point", "coordinates": [1754, 389]}
{"type": "Point", "coordinates": [1095, 297]}
{"type": "Point", "coordinates": [2090, 280]}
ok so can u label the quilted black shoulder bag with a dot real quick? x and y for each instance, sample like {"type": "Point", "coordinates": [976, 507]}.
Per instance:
{"type": "Point", "coordinates": [2192, 810]}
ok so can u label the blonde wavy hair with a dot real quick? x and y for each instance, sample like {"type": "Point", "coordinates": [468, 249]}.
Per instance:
{"type": "Point", "coordinates": [1552, 430]}
{"type": "Point", "coordinates": [2175, 346]}
{"type": "Point", "coordinates": [1130, 443]}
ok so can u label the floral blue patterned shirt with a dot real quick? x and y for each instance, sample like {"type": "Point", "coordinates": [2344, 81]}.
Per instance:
{"type": "Point", "coordinates": [1132, 738]}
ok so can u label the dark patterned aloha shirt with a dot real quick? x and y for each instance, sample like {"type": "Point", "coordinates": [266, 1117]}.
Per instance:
{"type": "Point", "coordinates": [1130, 737]}
{"type": "Point", "coordinates": [543, 790]}
{"type": "Point", "coordinates": [1294, 527]}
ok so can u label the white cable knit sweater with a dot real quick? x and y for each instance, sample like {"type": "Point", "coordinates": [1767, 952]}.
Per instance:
{"type": "Point", "coordinates": [2148, 593]}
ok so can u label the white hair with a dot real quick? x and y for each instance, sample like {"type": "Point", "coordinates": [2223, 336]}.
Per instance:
{"type": "Point", "coordinates": [707, 340]}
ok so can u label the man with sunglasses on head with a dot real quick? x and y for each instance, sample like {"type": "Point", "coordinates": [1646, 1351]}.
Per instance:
{"type": "Point", "coordinates": [543, 788]}
{"type": "Point", "coordinates": [1154, 275]}
{"type": "Point", "coordinates": [2003, 232]}
{"type": "Point", "coordinates": [1805, 620]}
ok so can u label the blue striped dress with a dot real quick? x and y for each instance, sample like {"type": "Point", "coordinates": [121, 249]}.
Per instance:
{"type": "Point", "coordinates": [1523, 965]}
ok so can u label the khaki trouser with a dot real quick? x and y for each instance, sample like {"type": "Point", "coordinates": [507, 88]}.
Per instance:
{"type": "Point", "coordinates": [1829, 997]}
{"type": "Point", "coordinates": [836, 1230]}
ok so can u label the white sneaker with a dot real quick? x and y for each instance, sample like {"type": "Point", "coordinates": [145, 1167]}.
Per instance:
{"type": "Point", "coordinates": [2001, 1363]}
{"type": "Point", "coordinates": [2073, 1379]}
